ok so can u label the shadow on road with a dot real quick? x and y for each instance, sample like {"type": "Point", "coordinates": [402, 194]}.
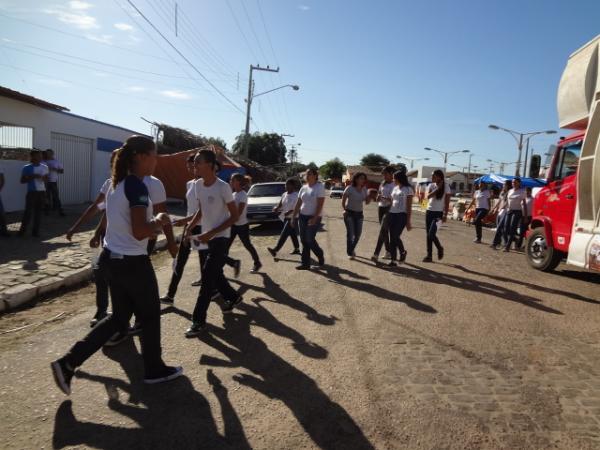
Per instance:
{"type": "Point", "coordinates": [328, 424]}
{"type": "Point", "coordinates": [535, 287]}
{"type": "Point", "coordinates": [476, 287]}
{"type": "Point", "coordinates": [172, 415]}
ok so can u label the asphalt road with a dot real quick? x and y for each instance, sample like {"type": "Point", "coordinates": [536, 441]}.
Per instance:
{"type": "Point", "coordinates": [475, 351]}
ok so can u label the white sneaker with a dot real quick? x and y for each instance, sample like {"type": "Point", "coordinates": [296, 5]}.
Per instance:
{"type": "Point", "coordinates": [387, 255]}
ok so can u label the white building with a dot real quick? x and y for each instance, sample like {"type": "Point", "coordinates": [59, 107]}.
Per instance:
{"type": "Point", "coordinates": [456, 179]}
{"type": "Point", "coordinates": [82, 145]}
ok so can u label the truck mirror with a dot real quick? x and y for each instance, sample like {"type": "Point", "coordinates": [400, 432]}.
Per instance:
{"type": "Point", "coordinates": [534, 166]}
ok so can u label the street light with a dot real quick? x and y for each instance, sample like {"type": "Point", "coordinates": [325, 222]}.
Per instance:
{"type": "Point", "coordinates": [252, 96]}
{"type": "Point", "coordinates": [501, 164]}
{"type": "Point", "coordinates": [412, 160]}
{"type": "Point", "coordinates": [445, 154]}
{"type": "Point", "coordinates": [519, 139]}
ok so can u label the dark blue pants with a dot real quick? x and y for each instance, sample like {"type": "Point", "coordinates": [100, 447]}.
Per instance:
{"type": "Point", "coordinates": [243, 231]}
{"type": "Point", "coordinates": [384, 234]}
{"type": "Point", "coordinates": [513, 220]}
{"type": "Point", "coordinates": [480, 214]}
{"type": "Point", "coordinates": [354, 223]}
{"type": "Point", "coordinates": [308, 234]}
{"type": "Point", "coordinates": [180, 261]}
{"type": "Point", "coordinates": [288, 231]}
{"type": "Point", "coordinates": [431, 217]}
{"type": "Point", "coordinates": [501, 230]}
{"type": "Point", "coordinates": [397, 223]}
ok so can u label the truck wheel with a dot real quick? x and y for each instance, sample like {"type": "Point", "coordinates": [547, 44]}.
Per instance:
{"type": "Point", "coordinates": [540, 255]}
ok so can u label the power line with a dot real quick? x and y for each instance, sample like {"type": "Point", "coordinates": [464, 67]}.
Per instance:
{"type": "Point", "coordinates": [241, 31]}
{"type": "Point", "coordinates": [185, 59]}
{"type": "Point", "coordinates": [254, 32]}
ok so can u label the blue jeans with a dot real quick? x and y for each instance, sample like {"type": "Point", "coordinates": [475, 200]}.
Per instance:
{"type": "Point", "coordinates": [397, 223]}
{"type": "Point", "coordinates": [354, 224]}
{"type": "Point", "coordinates": [480, 214]}
{"type": "Point", "coordinates": [308, 235]}
{"type": "Point", "coordinates": [288, 231]}
{"type": "Point", "coordinates": [513, 220]}
{"type": "Point", "coordinates": [431, 217]}
{"type": "Point", "coordinates": [501, 230]}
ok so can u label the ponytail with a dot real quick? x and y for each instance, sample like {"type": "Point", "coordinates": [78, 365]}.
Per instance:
{"type": "Point", "coordinates": [124, 159]}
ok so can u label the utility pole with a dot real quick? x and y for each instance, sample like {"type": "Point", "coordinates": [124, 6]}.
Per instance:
{"type": "Point", "coordinates": [249, 102]}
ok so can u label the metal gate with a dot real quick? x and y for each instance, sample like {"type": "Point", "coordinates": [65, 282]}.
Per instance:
{"type": "Point", "coordinates": [75, 154]}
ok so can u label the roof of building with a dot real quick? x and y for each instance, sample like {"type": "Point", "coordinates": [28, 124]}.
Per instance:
{"type": "Point", "coordinates": [366, 170]}
{"type": "Point", "coordinates": [5, 92]}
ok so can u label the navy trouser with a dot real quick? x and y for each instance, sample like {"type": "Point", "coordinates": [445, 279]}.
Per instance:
{"type": "Point", "coordinates": [397, 222]}
{"type": "Point", "coordinates": [501, 230]}
{"type": "Point", "coordinates": [243, 231]}
{"type": "Point", "coordinates": [34, 203]}
{"type": "Point", "coordinates": [525, 221]}
{"type": "Point", "coordinates": [431, 218]}
{"type": "Point", "coordinates": [288, 231]}
{"type": "Point", "coordinates": [354, 224]}
{"type": "Point", "coordinates": [133, 289]}
{"type": "Point", "coordinates": [513, 220]}
{"type": "Point", "coordinates": [213, 278]}
{"type": "Point", "coordinates": [53, 197]}
{"type": "Point", "coordinates": [480, 214]}
{"type": "Point", "coordinates": [308, 235]}
{"type": "Point", "coordinates": [384, 235]}
{"type": "Point", "coordinates": [180, 261]}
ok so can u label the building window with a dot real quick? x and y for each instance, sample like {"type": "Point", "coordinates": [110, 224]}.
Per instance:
{"type": "Point", "coordinates": [14, 136]}
{"type": "Point", "coordinates": [453, 185]}
{"type": "Point", "coordinates": [461, 186]}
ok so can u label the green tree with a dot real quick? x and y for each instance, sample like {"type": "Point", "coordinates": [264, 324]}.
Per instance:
{"type": "Point", "coordinates": [374, 160]}
{"type": "Point", "coordinates": [334, 168]}
{"type": "Point", "coordinates": [264, 148]}
{"type": "Point", "coordinates": [312, 165]}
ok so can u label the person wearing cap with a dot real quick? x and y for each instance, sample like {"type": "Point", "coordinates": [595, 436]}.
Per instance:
{"type": "Point", "coordinates": [517, 207]}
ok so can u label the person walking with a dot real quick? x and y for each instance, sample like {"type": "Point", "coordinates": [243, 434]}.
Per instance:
{"type": "Point", "coordinates": [35, 176]}
{"type": "Point", "coordinates": [481, 199]}
{"type": "Point", "coordinates": [286, 208]}
{"type": "Point", "coordinates": [55, 168]}
{"type": "Point", "coordinates": [501, 208]}
{"type": "Point", "coordinates": [438, 196]}
{"type": "Point", "coordinates": [240, 227]}
{"type": "Point", "coordinates": [352, 203]}
{"type": "Point", "coordinates": [526, 220]}
{"type": "Point", "coordinates": [517, 207]}
{"type": "Point", "coordinates": [384, 200]}
{"type": "Point", "coordinates": [309, 206]}
{"type": "Point", "coordinates": [217, 212]}
{"type": "Point", "coordinates": [185, 246]}
{"type": "Point", "coordinates": [132, 280]}
{"type": "Point", "coordinates": [399, 214]}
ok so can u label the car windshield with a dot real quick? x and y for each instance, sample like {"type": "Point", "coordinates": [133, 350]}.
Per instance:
{"type": "Point", "coordinates": [266, 190]}
{"type": "Point", "coordinates": [337, 188]}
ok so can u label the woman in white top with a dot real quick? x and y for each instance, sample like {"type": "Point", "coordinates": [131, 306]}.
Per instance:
{"type": "Point", "coordinates": [517, 207]}
{"type": "Point", "coordinates": [501, 208]}
{"type": "Point", "coordinates": [481, 198]}
{"type": "Point", "coordinates": [286, 208]}
{"type": "Point", "coordinates": [399, 214]}
{"type": "Point", "coordinates": [241, 228]}
{"type": "Point", "coordinates": [131, 276]}
{"type": "Point", "coordinates": [438, 196]}
{"type": "Point", "coordinates": [384, 202]}
{"type": "Point", "coordinates": [310, 207]}
{"type": "Point", "coordinates": [352, 202]}
{"type": "Point", "coordinates": [217, 212]}
{"type": "Point", "coordinates": [526, 220]}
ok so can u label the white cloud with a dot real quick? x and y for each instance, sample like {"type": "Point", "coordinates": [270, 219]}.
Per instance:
{"type": "Point", "coordinates": [136, 88]}
{"type": "Point", "coordinates": [123, 27]}
{"type": "Point", "coordinates": [74, 14]}
{"type": "Point", "coordinates": [175, 93]}
{"type": "Point", "coordinates": [104, 38]}
{"type": "Point", "coordinates": [303, 7]}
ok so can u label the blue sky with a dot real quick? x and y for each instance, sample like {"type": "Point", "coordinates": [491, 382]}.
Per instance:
{"type": "Point", "coordinates": [390, 77]}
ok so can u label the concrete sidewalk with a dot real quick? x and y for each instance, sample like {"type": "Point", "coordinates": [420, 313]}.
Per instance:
{"type": "Point", "coordinates": [33, 267]}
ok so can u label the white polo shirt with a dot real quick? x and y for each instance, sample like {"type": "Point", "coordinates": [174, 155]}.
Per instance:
{"type": "Point", "coordinates": [385, 190]}
{"type": "Point", "coordinates": [190, 198]}
{"type": "Point", "coordinates": [241, 197]}
{"type": "Point", "coordinates": [156, 190]}
{"type": "Point", "coordinates": [213, 202]}
{"type": "Point", "coordinates": [515, 199]}
{"type": "Point", "coordinates": [288, 203]}
{"type": "Point", "coordinates": [399, 196]}
{"type": "Point", "coordinates": [482, 199]}
{"type": "Point", "coordinates": [53, 164]}
{"type": "Point", "coordinates": [437, 204]}
{"type": "Point", "coordinates": [309, 196]}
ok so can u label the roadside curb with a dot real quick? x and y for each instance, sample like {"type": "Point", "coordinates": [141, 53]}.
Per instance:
{"type": "Point", "coordinates": [21, 295]}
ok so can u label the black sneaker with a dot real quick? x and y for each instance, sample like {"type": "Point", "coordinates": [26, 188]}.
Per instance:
{"type": "Point", "coordinates": [62, 375]}
{"type": "Point", "coordinates": [195, 329]}
{"type": "Point", "coordinates": [256, 268]}
{"type": "Point", "coordinates": [215, 295]}
{"type": "Point", "coordinates": [427, 259]}
{"type": "Point", "coordinates": [168, 373]}
{"type": "Point", "coordinates": [197, 283]}
{"type": "Point", "coordinates": [135, 329]}
{"type": "Point", "coordinates": [403, 256]}
{"type": "Point", "coordinates": [167, 299]}
{"type": "Point", "coordinates": [97, 318]}
{"type": "Point", "coordinates": [296, 251]}
{"type": "Point", "coordinates": [237, 266]}
{"type": "Point", "coordinates": [228, 307]}
{"type": "Point", "coordinates": [272, 251]}
{"type": "Point", "coordinates": [441, 253]}
{"type": "Point", "coordinates": [302, 267]}
{"type": "Point", "coordinates": [392, 263]}
{"type": "Point", "coordinates": [117, 338]}
{"type": "Point", "coordinates": [477, 240]}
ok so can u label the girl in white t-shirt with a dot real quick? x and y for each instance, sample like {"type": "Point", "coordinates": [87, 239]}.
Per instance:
{"type": "Point", "coordinates": [286, 208]}
{"type": "Point", "coordinates": [438, 197]}
{"type": "Point", "coordinates": [399, 214]}
{"type": "Point", "coordinates": [384, 202]}
{"type": "Point", "coordinates": [241, 228]}
{"type": "Point", "coordinates": [481, 200]}
{"type": "Point", "coordinates": [131, 276]}
{"type": "Point", "coordinates": [310, 207]}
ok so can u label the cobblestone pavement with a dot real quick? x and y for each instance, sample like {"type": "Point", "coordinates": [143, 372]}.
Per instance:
{"type": "Point", "coordinates": [476, 351]}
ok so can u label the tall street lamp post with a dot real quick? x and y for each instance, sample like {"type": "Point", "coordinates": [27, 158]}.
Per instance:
{"type": "Point", "coordinates": [412, 160]}
{"type": "Point", "coordinates": [518, 136]}
{"type": "Point", "coordinates": [446, 154]}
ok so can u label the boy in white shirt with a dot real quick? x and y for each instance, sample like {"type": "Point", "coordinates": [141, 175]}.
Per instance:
{"type": "Point", "coordinates": [35, 176]}
{"type": "Point", "coordinates": [55, 168]}
{"type": "Point", "coordinates": [286, 208]}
